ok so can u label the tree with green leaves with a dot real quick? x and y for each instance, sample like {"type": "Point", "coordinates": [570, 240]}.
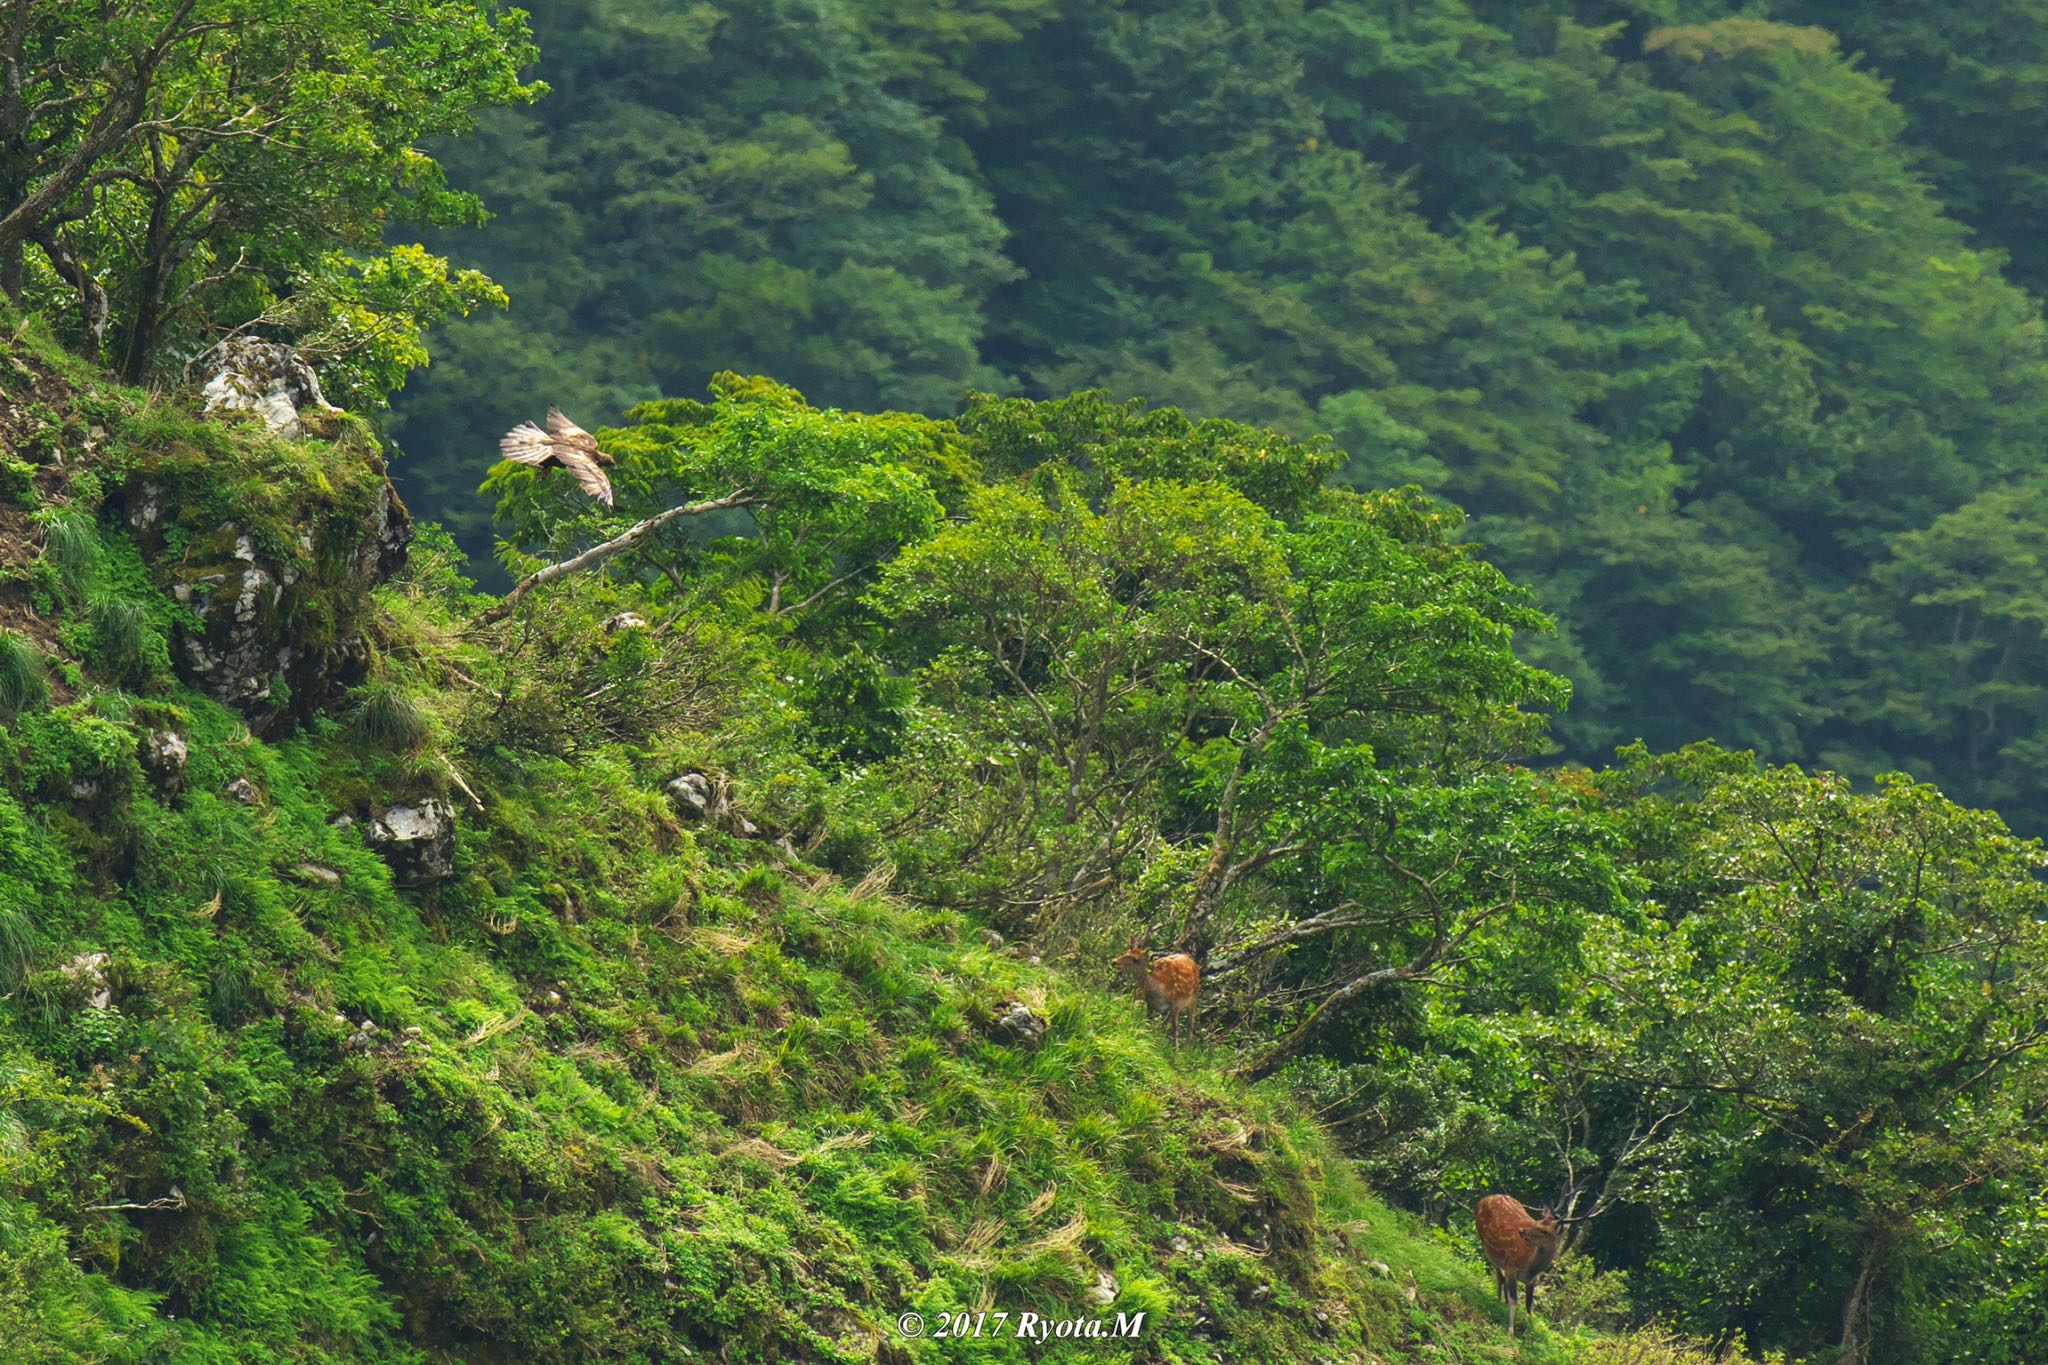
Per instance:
{"type": "Point", "coordinates": [181, 169]}
{"type": "Point", "coordinates": [816, 500]}
{"type": "Point", "coordinates": [1842, 366]}
{"type": "Point", "coordinates": [1849, 994]}
{"type": "Point", "coordinates": [1658, 294]}
{"type": "Point", "coordinates": [1973, 85]}
{"type": "Point", "coordinates": [1269, 720]}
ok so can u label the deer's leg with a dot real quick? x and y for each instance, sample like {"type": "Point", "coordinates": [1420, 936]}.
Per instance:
{"type": "Point", "coordinates": [1511, 1310]}
{"type": "Point", "coordinates": [1529, 1293]}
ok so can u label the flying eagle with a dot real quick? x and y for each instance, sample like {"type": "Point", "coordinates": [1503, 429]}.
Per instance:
{"type": "Point", "coordinates": [564, 444]}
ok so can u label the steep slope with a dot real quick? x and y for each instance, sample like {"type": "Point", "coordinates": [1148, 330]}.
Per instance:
{"type": "Point", "coordinates": [314, 1046]}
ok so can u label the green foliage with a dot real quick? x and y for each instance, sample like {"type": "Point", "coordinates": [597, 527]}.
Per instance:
{"type": "Point", "coordinates": [124, 646]}
{"type": "Point", "coordinates": [820, 498]}
{"type": "Point", "coordinates": [1849, 982]}
{"type": "Point", "coordinates": [24, 681]}
{"type": "Point", "coordinates": [206, 172]}
{"type": "Point", "coordinates": [1970, 87]}
{"type": "Point", "coordinates": [70, 745]}
{"type": "Point", "coordinates": [1182, 694]}
{"type": "Point", "coordinates": [18, 482]}
{"type": "Point", "coordinates": [1659, 295]}
{"type": "Point", "coordinates": [749, 185]}
{"type": "Point", "coordinates": [362, 321]}
{"type": "Point", "coordinates": [72, 548]}
{"type": "Point", "coordinates": [389, 720]}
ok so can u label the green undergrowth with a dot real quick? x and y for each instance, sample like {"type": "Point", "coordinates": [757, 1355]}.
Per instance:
{"type": "Point", "coordinates": [665, 1095]}
{"type": "Point", "coordinates": [621, 1086]}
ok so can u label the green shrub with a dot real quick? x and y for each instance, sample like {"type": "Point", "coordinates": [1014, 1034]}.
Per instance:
{"type": "Point", "coordinates": [1657, 1345]}
{"type": "Point", "coordinates": [18, 482]}
{"type": "Point", "coordinates": [72, 744]}
{"type": "Point", "coordinates": [17, 934]}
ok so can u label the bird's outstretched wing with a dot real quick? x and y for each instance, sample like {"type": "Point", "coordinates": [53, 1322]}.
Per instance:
{"type": "Point", "coordinates": [587, 473]}
{"type": "Point", "coordinates": [565, 444]}
{"type": "Point", "coordinates": [527, 444]}
{"type": "Point", "coordinates": [562, 429]}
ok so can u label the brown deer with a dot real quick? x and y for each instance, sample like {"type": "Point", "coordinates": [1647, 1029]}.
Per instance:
{"type": "Point", "coordinates": [1170, 984]}
{"type": "Point", "coordinates": [1518, 1247]}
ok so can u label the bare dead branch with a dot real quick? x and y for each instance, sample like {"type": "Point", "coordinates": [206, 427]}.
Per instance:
{"type": "Point", "coordinates": [619, 544]}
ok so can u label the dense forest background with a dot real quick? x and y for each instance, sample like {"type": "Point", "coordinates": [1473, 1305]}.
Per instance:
{"type": "Point", "coordinates": [1082, 477]}
{"type": "Point", "coordinates": [1720, 320]}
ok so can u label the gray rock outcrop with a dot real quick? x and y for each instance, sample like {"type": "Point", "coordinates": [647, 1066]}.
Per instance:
{"type": "Point", "coordinates": [163, 755]}
{"type": "Point", "coordinates": [701, 798]}
{"type": "Point", "coordinates": [269, 379]}
{"type": "Point", "coordinates": [1016, 1024]}
{"type": "Point", "coordinates": [272, 603]}
{"type": "Point", "coordinates": [416, 840]}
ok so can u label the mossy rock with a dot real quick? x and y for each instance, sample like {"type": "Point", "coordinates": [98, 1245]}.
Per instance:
{"type": "Point", "coordinates": [282, 543]}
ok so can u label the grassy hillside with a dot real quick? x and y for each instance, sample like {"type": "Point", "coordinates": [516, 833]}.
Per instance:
{"type": "Point", "coordinates": [619, 1083]}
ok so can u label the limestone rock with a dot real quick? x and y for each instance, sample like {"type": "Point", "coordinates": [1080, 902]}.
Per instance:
{"type": "Point", "coordinates": [281, 609]}
{"type": "Point", "coordinates": [387, 537]}
{"type": "Point", "coordinates": [163, 754]}
{"type": "Point", "coordinates": [269, 379]}
{"type": "Point", "coordinates": [1016, 1024]}
{"type": "Point", "coordinates": [89, 970]}
{"type": "Point", "coordinates": [363, 1039]}
{"type": "Point", "coordinates": [274, 553]}
{"type": "Point", "coordinates": [416, 839]}
{"type": "Point", "coordinates": [696, 797]}
{"type": "Point", "coordinates": [700, 797]}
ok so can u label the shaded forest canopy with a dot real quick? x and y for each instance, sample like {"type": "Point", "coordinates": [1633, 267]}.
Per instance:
{"type": "Point", "coordinates": [1718, 324]}
{"type": "Point", "coordinates": [703, 949]}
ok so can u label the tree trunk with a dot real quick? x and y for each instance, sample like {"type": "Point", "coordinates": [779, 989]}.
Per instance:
{"type": "Point", "coordinates": [1198, 935]}
{"type": "Point", "coordinates": [93, 307]}
{"type": "Point", "coordinates": [1856, 1312]}
{"type": "Point", "coordinates": [149, 291]}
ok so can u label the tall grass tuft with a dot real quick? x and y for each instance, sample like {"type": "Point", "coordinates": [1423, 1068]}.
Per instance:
{"type": "Point", "coordinates": [390, 721]}
{"type": "Point", "coordinates": [121, 639]}
{"type": "Point", "coordinates": [71, 543]}
{"type": "Point", "coordinates": [17, 941]}
{"type": "Point", "coordinates": [24, 684]}
{"type": "Point", "coordinates": [227, 996]}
